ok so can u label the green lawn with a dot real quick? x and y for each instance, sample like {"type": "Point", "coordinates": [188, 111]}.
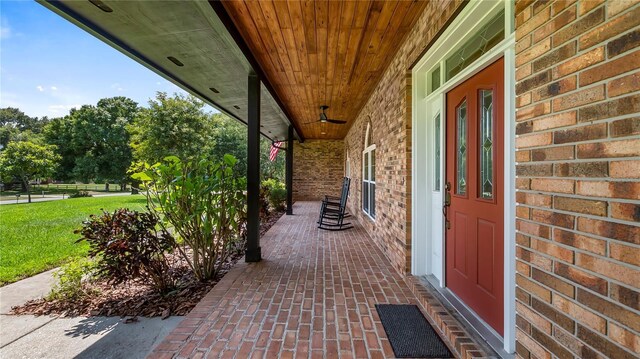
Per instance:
{"type": "Point", "coordinates": [39, 236]}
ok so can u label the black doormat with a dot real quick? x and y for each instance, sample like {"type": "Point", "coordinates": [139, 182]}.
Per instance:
{"type": "Point", "coordinates": [409, 332]}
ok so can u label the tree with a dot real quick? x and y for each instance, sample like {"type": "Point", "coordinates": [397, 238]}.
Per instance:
{"type": "Point", "coordinates": [275, 169]}
{"type": "Point", "coordinates": [94, 141]}
{"type": "Point", "coordinates": [100, 135]}
{"type": "Point", "coordinates": [59, 132]}
{"type": "Point", "coordinates": [16, 126]}
{"type": "Point", "coordinates": [28, 161]}
{"type": "Point", "coordinates": [14, 117]}
{"type": "Point", "coordinates": [229, 137]}
{"type": "Point", "coordinates": [7, 134]}
{"type": "Point", "coordinates": [175, 126]}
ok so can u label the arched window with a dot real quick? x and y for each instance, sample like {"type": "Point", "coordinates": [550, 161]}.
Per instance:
{"type": "Point", "coordinates": [369, 174]}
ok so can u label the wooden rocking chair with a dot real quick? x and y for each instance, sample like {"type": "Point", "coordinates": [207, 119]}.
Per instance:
{"type": "Point", "coordinates": [333, 213]}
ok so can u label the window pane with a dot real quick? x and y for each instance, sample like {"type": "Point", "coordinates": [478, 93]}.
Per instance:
{"type": "Point", "coordinates": [373, 165]}
{"type": "Point", "coordinates": [461, 144]}
{"type": "Point", "coordinates": [484, 40]}
{"type": "Point", "coordinates": [486, 143]}
{"type": "Point", "coordinates": [436, 142]}
{"type": "Point", "coordinates": [372, 193]}
{"type": "Point", "coordinates": [435, 79]}
{"type": "Point", "coordinates": [365, 196]}
{"type": "Point", "coordinates": [366, 166]}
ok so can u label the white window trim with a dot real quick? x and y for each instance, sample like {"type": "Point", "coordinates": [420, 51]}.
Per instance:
{"type": "Point", "coordinates": [368, 149]}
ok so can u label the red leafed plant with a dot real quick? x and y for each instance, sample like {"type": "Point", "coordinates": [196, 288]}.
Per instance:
{"type": "Point", "coordinates": [129, 246]}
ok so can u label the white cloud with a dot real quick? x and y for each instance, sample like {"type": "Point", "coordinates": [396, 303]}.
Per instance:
{"type": "Point", "coordinates": [53, 88]}
{"type": "Point", "coordinates": [117, 87]}
{"type": "Point", "coordinates": [158, 83]}
{"type": "Point", "coordinates": [40, 88]}
{"type": "Point", "coordinates": [5, 29]}
{"type": "Point", "coordinates": [58, 110]}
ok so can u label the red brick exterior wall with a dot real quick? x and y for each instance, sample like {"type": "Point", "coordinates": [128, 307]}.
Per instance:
{"type": "Point", "coordinates": [578, 172]}
{"type": "Point", "coordinates": [389, 112]}
{"type": "Point", "coordinates": [318, 169]}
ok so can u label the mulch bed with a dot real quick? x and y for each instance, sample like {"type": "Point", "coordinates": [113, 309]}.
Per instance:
{"type": "Point", "coordinates": [137, 299]}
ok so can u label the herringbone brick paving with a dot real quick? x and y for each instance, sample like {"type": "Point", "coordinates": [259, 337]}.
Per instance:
{"type": "Point", "coordinates": [312, 296]}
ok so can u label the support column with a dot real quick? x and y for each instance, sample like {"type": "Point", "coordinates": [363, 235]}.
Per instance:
{"type": "Point", "coordinates": [289, 179]}
{"type": "Point", "coordinates": [253, 253]}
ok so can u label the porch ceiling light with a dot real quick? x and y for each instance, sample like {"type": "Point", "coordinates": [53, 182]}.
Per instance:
{"type": "Point", "coordinates": [175, 61]}
{"type": "Point", "coordinates": [100, 5]}
{"type": "Point", "coordinates": [236, 106]}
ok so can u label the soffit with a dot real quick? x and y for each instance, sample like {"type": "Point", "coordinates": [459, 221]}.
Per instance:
{"type": "Point", "coordinates": [190, 31]}
{"type": "Point", "coordinates": [323, 52]}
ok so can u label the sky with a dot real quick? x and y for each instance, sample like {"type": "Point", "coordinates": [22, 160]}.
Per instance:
{"type": "Point", "coordinates": [48, 65]}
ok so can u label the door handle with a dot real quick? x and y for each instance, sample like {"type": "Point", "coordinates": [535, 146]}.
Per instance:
{"type": "Point", "coordinates": [447, 195]}
{"type": "Point", "coordinates": [447, 203]}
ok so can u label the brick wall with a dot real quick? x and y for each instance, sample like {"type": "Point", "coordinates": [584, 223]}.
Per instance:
{"type": "Point", "coordinates": [578, 189]}
{"type": "Point", "coordinates": [389, 112]}
{"type": "Point", "coordinates": [318, 169]}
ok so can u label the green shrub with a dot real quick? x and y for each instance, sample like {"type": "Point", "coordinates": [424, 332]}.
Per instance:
{"type": "Point", "coordinates": [129, 246]}
{"type": "Point", "coordinates": [72, 278]}
{"type": "Point", "coordinates": [276, 193]}
{"type": "Point", "coordinates": [272, 183]}
{"type": "Point", "coordinates": [80, 194]}
{"type": "Point", "coordinates": [264, 200]}
{"type": "Point", "coordinates": [204, 203]}
{"type": "Point", "coordinates": [277, 196]}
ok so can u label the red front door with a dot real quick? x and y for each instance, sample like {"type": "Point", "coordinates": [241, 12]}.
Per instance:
{"type": "Point", "coordinates": [474, 237]}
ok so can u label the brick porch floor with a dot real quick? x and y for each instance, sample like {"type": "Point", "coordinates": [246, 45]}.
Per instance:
{"type": "Point", "coordinates": [312, 296]}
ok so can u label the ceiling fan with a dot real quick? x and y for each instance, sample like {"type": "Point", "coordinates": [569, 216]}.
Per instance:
{"type": "Point", "coordinates": [325, 119]}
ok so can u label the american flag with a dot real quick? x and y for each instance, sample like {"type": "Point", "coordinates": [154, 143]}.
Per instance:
{"type": "Point", "coordinates": [274, 150]}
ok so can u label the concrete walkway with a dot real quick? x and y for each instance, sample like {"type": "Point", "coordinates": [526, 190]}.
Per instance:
{"type": "Point", "coordinates": [27, 336]}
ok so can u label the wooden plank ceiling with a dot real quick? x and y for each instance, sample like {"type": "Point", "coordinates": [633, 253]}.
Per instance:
{"type": "Point", "coordinates": [323, 52]}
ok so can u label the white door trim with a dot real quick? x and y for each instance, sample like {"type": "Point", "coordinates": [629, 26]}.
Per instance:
{"type": "Point", "coordinates": [466, 24]}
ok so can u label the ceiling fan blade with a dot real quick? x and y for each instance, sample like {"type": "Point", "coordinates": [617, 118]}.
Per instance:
{"type": "Point", "coordinates": [337, 122]}
{"type": "Point", "coordinates": [312, 122]}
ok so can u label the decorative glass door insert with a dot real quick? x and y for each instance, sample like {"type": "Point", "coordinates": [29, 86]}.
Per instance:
{"type": "Point", "coordinates": [461, 144]}
{"type": "Point", "coordinates": [485, 101]}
